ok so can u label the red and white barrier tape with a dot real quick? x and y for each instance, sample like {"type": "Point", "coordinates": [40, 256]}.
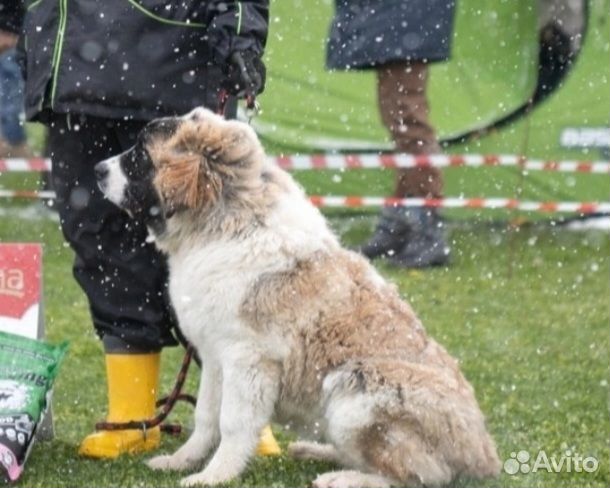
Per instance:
{"type": "Point", "coordinates": [25, 165]}
{"type": "Point", "coordinates": [483, 203]}
{"type": "Point", "coordinates": [370, 161]}
{"type": "Point", "coordinates": [28, 194]}
{"type": "Point", "coordinates": [359, 202]}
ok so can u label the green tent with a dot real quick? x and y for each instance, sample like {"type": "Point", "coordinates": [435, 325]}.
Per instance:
{"type": "Point", "coordinates": [492, 74]}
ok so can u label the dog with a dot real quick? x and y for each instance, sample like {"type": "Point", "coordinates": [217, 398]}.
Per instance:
{"type": "Point", "coordinates": [290, 326]}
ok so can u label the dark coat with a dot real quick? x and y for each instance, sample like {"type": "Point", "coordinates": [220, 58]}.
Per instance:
{"type": "Point", "coordinates": [11, 12]}
{"type": "Point", "coordinates": [132, 58]}
{"type": "Point", "coordinates": [369, 33]}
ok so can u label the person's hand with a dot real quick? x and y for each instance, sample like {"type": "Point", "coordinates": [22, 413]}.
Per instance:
{"type": "Point", "coordinates": [8, 40]}
{"type": "Point", "coordinates": [245, 74]}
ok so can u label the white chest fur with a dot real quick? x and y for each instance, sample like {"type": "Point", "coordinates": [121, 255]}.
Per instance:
{"type": "Point", "coordinates": [208, 282]}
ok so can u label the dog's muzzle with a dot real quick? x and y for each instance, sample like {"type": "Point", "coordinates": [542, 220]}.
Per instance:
{"type": "Point", "coordinates": [111, 180]}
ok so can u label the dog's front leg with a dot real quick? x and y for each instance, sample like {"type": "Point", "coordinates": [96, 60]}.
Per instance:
{"type": "Point", "coordinates": [207, 423]}
{"type": "Point", "coordinates": [249, 392]}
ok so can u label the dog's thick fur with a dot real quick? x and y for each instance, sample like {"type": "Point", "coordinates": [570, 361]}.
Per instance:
{"type": "Point", "coordinates": [290, 325]}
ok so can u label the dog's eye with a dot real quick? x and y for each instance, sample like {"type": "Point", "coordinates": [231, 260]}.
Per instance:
{"type": "Point", "coordinates": [136, 163]}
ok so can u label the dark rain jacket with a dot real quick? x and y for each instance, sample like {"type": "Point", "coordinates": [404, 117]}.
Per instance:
{"type": "Point", "coordinates": [369, 33]}
{"type": "Point", "coordinates": [130, 58]}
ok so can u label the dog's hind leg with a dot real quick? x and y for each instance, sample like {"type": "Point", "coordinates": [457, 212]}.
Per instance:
{"type": "Point", "coordinates": [315, 451]}
{"type": "Point", "coordinates": [249, 393]}
{"type": "Point", "coordinates": [370, 435]}
{"type": "Point", "coordinates": [383, 452]}
{"type": "Point", "coordinates": [207, 429]}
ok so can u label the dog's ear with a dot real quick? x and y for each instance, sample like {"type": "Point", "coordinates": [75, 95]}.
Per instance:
{"type": "Point", "coordinates": [240, 144]}
{"type": "Point", "coordinates": [222, 142]}
{"type": "Point", "coordinates": [185, 181]}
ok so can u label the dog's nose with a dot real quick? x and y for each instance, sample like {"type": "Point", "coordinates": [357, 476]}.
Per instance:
{"type": "Point", "coordinates": [101, 170]}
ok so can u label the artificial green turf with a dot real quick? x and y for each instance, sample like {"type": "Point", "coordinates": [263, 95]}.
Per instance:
{"type": "Point", "coordinates": [526, 312]}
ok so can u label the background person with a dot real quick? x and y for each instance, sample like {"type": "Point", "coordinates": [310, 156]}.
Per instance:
{"type": "Point", "coordinates": [95, 74]}
{"type": "Point", "coordinates": [13, 143]}
{"type": "Point", "coordinates": [399, 39]}
{"type": "Point", "coordinates": [561, 24]}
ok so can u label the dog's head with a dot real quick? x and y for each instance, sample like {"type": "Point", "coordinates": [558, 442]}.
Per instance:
{"type": "Point", "coordinates": [180, 164]}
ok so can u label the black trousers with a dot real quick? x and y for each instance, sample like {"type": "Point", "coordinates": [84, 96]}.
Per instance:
{"type": "Point", "coordinates": [123, 276]}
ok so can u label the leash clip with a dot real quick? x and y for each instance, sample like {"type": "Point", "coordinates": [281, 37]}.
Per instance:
{"type": "Point", "coordinates": [223, 97]}
{"type": "Point", "coordinates": [252, 107]}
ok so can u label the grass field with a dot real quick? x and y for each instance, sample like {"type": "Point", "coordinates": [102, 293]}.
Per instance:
{"type": "Point", "coordinates": [525, 311]}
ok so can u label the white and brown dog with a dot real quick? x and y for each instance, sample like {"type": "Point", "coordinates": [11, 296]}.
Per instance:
{"type": "Point", "coordinates": [290, 326]}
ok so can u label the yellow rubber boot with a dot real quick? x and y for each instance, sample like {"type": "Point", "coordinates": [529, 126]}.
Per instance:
{"type": "Point", "coordinates": [267, 445]}
{"type": "Point", "coordinates": [133, 381]}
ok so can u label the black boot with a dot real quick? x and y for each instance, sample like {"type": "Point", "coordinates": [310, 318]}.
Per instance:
{"type": "Point", "coordinates": [426, 245]}
{"type": "Point", "coordinates": [391, 233]}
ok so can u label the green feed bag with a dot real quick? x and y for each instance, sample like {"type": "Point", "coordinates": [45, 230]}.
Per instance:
{"type": "Point", "coordinates": [27, 371]}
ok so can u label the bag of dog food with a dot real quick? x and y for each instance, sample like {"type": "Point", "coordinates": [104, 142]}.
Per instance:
{"type": "Point", "coordinates": [27, 371]}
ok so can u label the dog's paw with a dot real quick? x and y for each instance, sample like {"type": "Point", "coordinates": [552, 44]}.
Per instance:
{"type": "Point", "coordinates": [193, 480]}
{"type": "Point", "coordinates": [299, 450]}
{"type": "Point", "coordinates": [350, 479]}
{"type": "Point", "coordinates": [330, 480]}
{"type": "Point", "coordinates": [203, 479]}
{"type": "Point", "coordinates": [166, 462]}
{"type": "Point", "coordinates": [306, 450]}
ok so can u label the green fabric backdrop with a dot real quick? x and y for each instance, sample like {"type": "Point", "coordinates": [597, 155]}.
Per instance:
{"type": "Point", "coordinates": [492, 71]}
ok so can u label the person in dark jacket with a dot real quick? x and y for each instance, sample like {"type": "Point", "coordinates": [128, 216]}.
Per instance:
{"type": "Point", "coordinates": [399, 39]}
{"type": "Point", "coordinates": [95, 74]}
